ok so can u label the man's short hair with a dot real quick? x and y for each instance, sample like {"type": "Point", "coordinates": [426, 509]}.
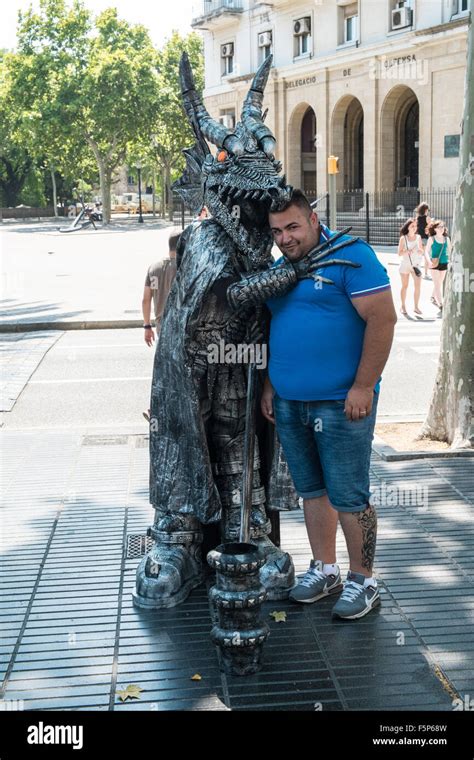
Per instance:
{"type": "Point", "coordinates": [173, 242]}
{"type": "Point", "coordinates": [299, 199]}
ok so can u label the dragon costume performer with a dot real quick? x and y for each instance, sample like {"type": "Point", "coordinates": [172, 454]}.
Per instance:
{"type": "Point", "coordinates": [197, 423]}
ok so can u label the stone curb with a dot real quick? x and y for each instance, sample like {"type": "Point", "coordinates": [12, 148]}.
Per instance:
{"type": "Point", "coordinates": [389, 454]}
{"type": "Point", "coordinates": [98, 324]}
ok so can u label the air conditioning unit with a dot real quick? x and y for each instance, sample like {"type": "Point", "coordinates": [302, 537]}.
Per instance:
{"type": "Point", "coordinates": [227, 51]}
{"type": "Point", "coordinates": [302, 26]}
{"type": "Point", "coordinates": [264, 39]}
{"type": "Point", "coordinates": [401, 17]}
{"type": "Point", "coordinates": [227, 120]}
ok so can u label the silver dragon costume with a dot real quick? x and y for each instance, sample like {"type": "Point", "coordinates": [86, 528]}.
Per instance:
{"type": "Point", "coordinates": [197, 423]}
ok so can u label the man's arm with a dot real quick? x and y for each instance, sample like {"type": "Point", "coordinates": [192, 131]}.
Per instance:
{"type": "Point", "coordinates": [378, 313]}
{"type": "Point", "coordinates": [266, 401]}
{"type": "Point", "coordinates": [146, 311]}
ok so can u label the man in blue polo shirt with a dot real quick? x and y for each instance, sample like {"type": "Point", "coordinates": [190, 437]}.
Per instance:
{"type": "Point", "coordinates": [328, 346]}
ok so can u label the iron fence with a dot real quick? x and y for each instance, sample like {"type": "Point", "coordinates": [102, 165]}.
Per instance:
{"type": "Point", "coordinates": [180, 213]}
{"type": "Point", "coordinates": [377, 217]}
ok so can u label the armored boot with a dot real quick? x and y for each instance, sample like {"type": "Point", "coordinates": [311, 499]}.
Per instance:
{"type": "Point", "coordinates": [173, 566]}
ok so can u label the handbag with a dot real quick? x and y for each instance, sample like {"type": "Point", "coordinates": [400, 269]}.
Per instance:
{"type": "Point", "coordinates": [437, 258]}
{"type": "Point", "coordinates": [415, 269]}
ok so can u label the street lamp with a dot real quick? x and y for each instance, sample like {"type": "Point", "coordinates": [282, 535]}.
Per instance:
{"type": "Point", "coordinates": [140, 215]}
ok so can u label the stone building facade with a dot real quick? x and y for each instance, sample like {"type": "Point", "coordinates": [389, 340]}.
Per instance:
{"type": "Point", "coordinates": [378, 83]}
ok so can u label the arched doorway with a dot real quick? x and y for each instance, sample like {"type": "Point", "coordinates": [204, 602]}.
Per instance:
{"type": "Point", "coordinates": [347, 131]}
{"type": "Point", "coordinates": [302, 150]}
{"type": "Point", "coordinates": [399, 143]}
{"type": "Point", "coordinates": [308, 154]}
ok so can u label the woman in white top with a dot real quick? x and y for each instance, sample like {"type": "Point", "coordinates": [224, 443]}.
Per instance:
{"type": "Point", "coordinates": [410, 249]}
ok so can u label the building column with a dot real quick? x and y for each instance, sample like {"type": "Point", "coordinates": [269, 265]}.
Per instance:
{"type": "Point", "coordinates": [371, 108]}
{"type": "Point", "coordinates": [280, 121]}
{"type": "Point", "coordinates": [322, 126]}
{"type": "Point", "coordinates": [425, 136]}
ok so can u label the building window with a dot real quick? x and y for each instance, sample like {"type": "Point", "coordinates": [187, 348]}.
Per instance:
{"type": "Point", "coordinates": [460, 6]}
{"type": "Point", "coordinates": [302, 36]}
{"type": "Point", "coordinates": [264, 46]}
{"type": "Point", "coordinates": [227, 58]}
{"type": "Point", "coordinates": [348, 24]}
{"type": "Point", "coordinates": [350, 28]}
{"type": "Point", "coordinates": [227, 117]}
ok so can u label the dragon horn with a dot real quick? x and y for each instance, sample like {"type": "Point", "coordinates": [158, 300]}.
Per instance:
{"type": "Point", "coordinates": [252, 108]}
{"type": "Point", "coordinates": [197, 114]}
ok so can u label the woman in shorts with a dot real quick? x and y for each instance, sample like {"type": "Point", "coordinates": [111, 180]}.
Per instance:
{"type": "Point", "coordinates": [438, 249]}
{"type": "Point", "coordinates": [410, 249]}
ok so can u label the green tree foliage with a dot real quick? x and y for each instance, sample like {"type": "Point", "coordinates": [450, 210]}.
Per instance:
{"type": "Point", "coordinates": [170, 130]}
{"type": "Point", "coordinates": [118, 94]}
{"type": "Point", "coordinates": [15, 162]}
{"type": "Point", "coordinates": [85, 94]}
{"type": "Point", "coordinates": [40, 84]}
{"type": "Point", "coordinates": [81, 88]}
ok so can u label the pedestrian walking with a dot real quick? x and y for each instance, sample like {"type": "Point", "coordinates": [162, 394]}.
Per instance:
{"type": "Point", "coordinates": [438, 250]}
{"type": "Point", "coordinates": [422, 221]}
{"type": "Point", "coordinates": [158, 281]}
{"type": "Point", "coordinates": [410, 250]}
{"type": "Point", "coordinates": [328, 346]}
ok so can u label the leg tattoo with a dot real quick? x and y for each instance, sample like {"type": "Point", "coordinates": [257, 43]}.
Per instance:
{"type": "Point", "coordinates": [368, 524]}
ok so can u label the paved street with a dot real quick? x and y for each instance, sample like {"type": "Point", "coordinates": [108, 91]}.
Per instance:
{"type": "Point", "coordinates": [88, 379]}
{"type": "Point", "coordinates": [89, 276]}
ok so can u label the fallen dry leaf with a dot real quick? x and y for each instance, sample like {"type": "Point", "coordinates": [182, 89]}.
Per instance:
{"type": "Point", "coordinates": [132, 691]}
{"type": "Point", "coordinates": [279, 617]}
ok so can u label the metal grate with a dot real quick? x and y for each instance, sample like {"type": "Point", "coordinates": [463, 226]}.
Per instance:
{"type": "Point", "coordinates": [138, 544]}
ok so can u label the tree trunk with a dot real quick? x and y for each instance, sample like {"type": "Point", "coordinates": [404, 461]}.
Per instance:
{"type": "Point", "coordinates": [169, 193]}
{"type": "Point", "coordinates": [55, 193]}
{"type": "Point", "coordinates": [163, 194]}
{"type": "Point", "coordinates": [105, 179]}
{"type": "Point", "coordinates": [452, 404]}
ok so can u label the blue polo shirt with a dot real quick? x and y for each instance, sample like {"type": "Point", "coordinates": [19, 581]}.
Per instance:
{"type": "Point", "coordinates": [316, 334]}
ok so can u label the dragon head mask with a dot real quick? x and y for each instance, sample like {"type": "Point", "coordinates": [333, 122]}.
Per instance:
{"type": "Point", "coordinates": [243, 181]}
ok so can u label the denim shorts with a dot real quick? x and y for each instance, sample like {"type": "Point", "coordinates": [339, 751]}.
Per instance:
{"type": "Point", "coordinates": [326, 452]}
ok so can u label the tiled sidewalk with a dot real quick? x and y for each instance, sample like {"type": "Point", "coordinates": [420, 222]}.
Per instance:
{"type": "Point", "coordinates": [70, 636]}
